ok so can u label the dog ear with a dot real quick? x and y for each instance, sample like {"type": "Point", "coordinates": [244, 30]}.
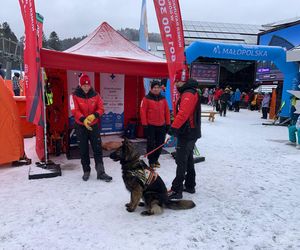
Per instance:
{"type": "Point", "coordinates": [126, 141]}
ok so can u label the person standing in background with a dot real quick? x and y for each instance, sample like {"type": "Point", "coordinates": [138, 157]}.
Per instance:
{"type": "Point", "coordinates": [224, 100]}
{"type": "Point", "coordinates": [210, 97]}
{"type": "Point", "coordinates": [265, 104]}
{"type": "Point", "coordinates": [87, 108]}
{"type": "Point", "coordinates": [2, 72]}
{"type": "Point", "coordinates": [237, 99]}
{"type": "Point", "coordinates": [217, 96]}
{"type": "Point", "coordinates": [16, 84]}
{"type": "Point", "coordinates": [205, 96]}
{"type": "Point", "coordinates": [155, 118]}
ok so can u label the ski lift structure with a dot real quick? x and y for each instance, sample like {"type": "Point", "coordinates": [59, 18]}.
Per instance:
{"type": "Point", "coordinates": [11, 53]}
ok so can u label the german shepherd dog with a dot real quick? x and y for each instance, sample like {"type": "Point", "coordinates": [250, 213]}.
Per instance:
{"type": "Point", "coordinates": [143, 182]}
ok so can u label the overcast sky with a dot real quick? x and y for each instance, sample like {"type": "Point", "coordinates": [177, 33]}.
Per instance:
{"type": "Point", "coordinates": [71, 18]}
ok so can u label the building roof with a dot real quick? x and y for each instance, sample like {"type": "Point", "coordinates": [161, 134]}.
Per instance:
{"type": "Point", "coordinates": [293, 55]}
{"type": "Point", "coordinates": [289, 21]}
{"type": "Point", "coordinates": [222, 32]}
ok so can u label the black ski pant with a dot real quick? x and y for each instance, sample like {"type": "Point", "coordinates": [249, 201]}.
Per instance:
{"type": "Point", "coordinates": [265, 111]}
{"type": "Point", "coordinates": [236, 106]}
{"type": "Point", "coordinates": [185, 165]}
{"type": "Point", "coordinates": [155, 137]}
{"type": "Point", "coordinates": [17, 92]}
{"type": "Point", "coordinates": [217, 105]}
{"type": "Point", "coordinates": [223, 108]}
{"type": "Point", "coordinates": [83, 137]}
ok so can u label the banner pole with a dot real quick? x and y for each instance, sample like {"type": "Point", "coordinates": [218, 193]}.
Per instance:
{"type": "Point", "coordinates": [44, 116]}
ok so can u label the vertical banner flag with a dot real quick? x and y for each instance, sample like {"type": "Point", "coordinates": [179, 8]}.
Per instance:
{"type": "Point", "coordinates": [33, 84]}
{"type": "Point", "coordinates": [144, 28]}
{"type": "Point", "coordinates": [143, 37]}
{"type": "Point", "coordinates": [170, 25]}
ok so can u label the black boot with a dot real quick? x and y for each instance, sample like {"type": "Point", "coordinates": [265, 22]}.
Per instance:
{"type": "Point", "coordinates": [104, 177]}
{"type": "Point", "coordinates": [189, 190]}
{"type": "Point", "coordinates": [101, 175]}
{"type": "Point", "coordinates": [86, 176]}
{"type": "Point", "coordinates": [174, 195]}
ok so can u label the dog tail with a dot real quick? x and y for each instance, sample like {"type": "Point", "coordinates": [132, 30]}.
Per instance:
{"type": "Point", "coordinates": [180, 204]}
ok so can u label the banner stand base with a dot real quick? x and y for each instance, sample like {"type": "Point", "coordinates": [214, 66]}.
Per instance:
{"type": "Point", "coordinates": [197, 159]}
{"type": "Point", "coordinates": [44, 170]}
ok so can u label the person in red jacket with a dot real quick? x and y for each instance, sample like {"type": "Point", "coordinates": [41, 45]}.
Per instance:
{"type": "Point", "coordinates": [87, 108]}
{"type": "Point", "coordinates": [217, 96]}
{"type": "Point", "coordinates": [155, 118]}
{"type": "Point", "coordinates": [187, 128]}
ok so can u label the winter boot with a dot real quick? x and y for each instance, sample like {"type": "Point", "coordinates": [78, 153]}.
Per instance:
{"type": "Point", "coordinates": [174, 195]}
{"type": "Point", "coordinates": [86, 176]}
{"type": "Point", "coordinates": [104, 177]}
{"type": "Point", "coordinates": [189, 190]}
{"type": "Point", "coordinates": [101, 175]}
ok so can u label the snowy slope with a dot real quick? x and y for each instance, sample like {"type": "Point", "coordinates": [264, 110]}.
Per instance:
{"type": "Point", "coordinates": [247, 198]}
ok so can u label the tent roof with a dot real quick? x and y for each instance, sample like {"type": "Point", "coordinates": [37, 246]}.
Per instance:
{"type": "Point", "coordinates": [107, 42]}
{"type": "Point", "coordinates": [105, 50]}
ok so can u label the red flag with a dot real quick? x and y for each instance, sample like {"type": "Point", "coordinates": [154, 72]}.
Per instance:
{"type": "Point", "coordinates": [170, 25]}
{"type": "Point", "coordinates": [33, 84]}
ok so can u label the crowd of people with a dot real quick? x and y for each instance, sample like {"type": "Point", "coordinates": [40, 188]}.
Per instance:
{"type": "Point", "coordinates": [223, 99]}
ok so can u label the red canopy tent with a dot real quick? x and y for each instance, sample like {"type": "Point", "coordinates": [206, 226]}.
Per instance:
{"type": "Point", "coordinates": [103, 51]}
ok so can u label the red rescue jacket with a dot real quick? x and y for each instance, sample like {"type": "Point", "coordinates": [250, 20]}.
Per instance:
{"type": "Point", "coordinates": [83, 105]}
{"type": "Point", "coordinates": [154, 110]}
{"type": "Point", "coordinates": [187, 122]}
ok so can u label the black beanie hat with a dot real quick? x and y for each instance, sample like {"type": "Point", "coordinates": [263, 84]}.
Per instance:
{"type": "Point", "coordinates": [154, 83]}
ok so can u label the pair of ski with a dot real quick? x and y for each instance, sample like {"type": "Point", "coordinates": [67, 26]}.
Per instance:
{"type": "Point", "coordinates": [276, 119]}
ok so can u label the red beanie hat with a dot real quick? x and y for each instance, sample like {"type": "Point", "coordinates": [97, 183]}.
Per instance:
{"type": "Point", "coordinates": [84, 80]}
{"type": "Point", "coordinates": [182, 75]}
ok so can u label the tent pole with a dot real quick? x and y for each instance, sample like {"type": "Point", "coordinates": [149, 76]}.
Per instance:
{"type": "Point", "coordinates": [45, 121]}
{"type": "Point", "coordinates": [49, 168]}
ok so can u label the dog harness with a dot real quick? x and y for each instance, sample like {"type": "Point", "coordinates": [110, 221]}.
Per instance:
{"type": "Point", "coordinates": [146, 176]}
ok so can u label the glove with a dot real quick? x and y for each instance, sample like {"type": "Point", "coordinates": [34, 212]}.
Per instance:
{"type": "Point", "coordinates": [91, 118]}
{"type": "Point", "coordinates": [168, 137]}
{"type": "Point", "coordinates": [86, 123]}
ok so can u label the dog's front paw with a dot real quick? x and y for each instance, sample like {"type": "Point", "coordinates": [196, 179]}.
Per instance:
{"type": "Point", "coordinates": [130, 209]}
{"type": "Point", "coordinates": [128, 204]}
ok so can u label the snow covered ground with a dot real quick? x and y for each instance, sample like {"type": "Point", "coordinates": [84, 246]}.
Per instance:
{"type": "Point", "coordinates": [248, 197]}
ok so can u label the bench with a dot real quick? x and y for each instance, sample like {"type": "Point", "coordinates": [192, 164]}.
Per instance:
{"type": "Point", "coordinates": [209, 114]}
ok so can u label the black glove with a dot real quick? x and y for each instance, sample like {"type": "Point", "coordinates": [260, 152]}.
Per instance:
{"type": "Point", "coordinates": [145, 131]}
{"type": "Point", "coordinates": [173, 132]}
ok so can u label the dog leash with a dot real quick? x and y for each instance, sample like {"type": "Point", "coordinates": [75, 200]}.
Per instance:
{"type": "Point", "coordinates": [151, 152]}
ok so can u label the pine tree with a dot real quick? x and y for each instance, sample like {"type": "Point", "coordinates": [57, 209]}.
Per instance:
{"type": "Point", "coordinates": [54, 42]}
{"type": "Point", "coordinates": [45, 42]}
